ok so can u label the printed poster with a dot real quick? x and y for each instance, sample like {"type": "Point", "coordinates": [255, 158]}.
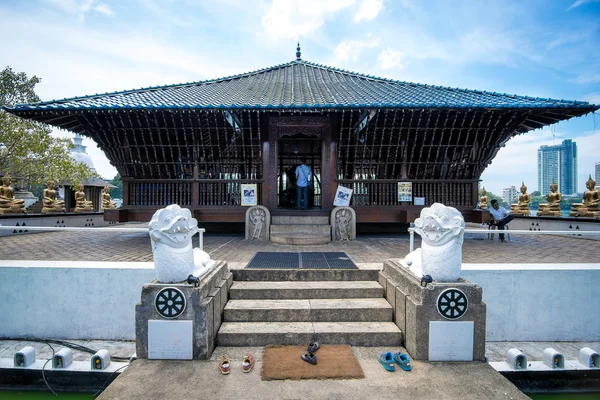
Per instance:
{"type": "Point", "coordinates": [405, 191]}
{"type": "Point", "coordinates": [342, 196]}
{"type": "Point", "coordinates": [249, 194]}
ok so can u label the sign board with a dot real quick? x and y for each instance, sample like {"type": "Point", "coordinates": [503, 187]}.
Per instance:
{"type": "Point", "coordinates": [342, 196]}
{"type": "Point", "coordinates": [419, 201]}
{"type": "Point", "coordinates": [405, 191]}
{"type": "Point", "coordinates": [170, 340]}
{"type": "Point", "coordinates": [249, 194]}
{"type": "Point", "coordinates": [451, 341]}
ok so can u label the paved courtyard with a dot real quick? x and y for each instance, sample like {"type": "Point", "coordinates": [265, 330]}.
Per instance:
{"type": "Point", "coordinates": [368, 248]}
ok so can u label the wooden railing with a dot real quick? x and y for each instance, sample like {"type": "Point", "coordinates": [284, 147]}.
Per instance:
{"type": "Point", "coordinates": [384, 192]}
{"type": "Point", "coordinates": [225, 192]}
{"type": "Point", "coordinates": [188, 192]}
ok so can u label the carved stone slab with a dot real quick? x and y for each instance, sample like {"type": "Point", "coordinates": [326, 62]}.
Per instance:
{"type": "Point", "coordinates": [258, 223]}
{"type": "Point", "coordinates": [343, 224]}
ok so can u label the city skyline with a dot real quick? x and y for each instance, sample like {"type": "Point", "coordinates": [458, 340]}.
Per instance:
{"type": "Point", "coordinates": [558, 164]}
{"type": "Point", "coordinates": [529, 48]}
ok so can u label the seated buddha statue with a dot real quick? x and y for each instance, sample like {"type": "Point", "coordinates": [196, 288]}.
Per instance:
{"type": "Point", "coordinates": [522, 207]}
{"type": "Point", "coordinates": [552, 208]}
{"type": "Point", "coordinates": [106, 202]}
{"type": "Point", "coordinates": [589, 206]}
{"type": "Point", "coordinates": [50, 200]}
{"type": "Point", "coordinates": [81, 204]}
{"type": "Point", "coordinates": [483, 200]}
{"type": "Point", "coordinates": [8, 203]}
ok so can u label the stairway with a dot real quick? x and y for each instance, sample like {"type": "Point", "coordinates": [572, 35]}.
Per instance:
{"type": "Point", "coordinates": [36, 208]}
{"type": "Point", "coordinates": [300, 230]}
{"type": "Point", "coordinates": [300, 306]}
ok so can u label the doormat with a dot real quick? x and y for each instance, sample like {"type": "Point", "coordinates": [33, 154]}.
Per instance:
{"type": "Point", "coordinates": [334, 361]}
{"type": "Point", "coordinates": [301, 260]}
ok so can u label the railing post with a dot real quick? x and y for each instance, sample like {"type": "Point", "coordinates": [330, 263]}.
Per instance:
{"type": "Point", "coordinates": [196, 190]}
{"type": "Point", "coordinates": [411, 231]}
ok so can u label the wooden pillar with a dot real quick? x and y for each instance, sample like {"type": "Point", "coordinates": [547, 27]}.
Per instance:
{"type": "Point", "coordinates": [125, 192]}
{"type": "Point", "coordinates": [195, 187]}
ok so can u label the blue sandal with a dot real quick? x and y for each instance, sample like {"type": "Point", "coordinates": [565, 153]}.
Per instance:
{"type": "Point", "coordinates": [403, 361]}
{"type": "Point", "coordinates": [387, 360]}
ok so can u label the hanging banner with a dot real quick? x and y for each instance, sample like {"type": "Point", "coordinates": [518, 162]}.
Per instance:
{"type": "Point", "coordinates": [342, 196]}
{"type": "Point", "coordinates": [405, 191]}
{"type": "Point", "coordinates": [249, 197]}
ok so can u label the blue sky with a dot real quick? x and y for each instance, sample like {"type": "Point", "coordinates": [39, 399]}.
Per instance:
{"type": "Point", "coordinates": [545, 48]}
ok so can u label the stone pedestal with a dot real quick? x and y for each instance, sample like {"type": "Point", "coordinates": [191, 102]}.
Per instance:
{"type": "Point", "coordinates": [203, 307]}
{"type": "Point", "coordinates": [416, 307]}
{"type": "Point", "coordinates": [481, 216]}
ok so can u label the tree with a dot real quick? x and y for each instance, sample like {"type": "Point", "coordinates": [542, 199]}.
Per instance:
{"type": "Point", "coordinates": [491, 196]}
{"type": "Point", "coordinates": [116, 193]}
{"type": "Point", "coordinates": [27, 150]}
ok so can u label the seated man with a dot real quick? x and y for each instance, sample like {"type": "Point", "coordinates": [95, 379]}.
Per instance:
{"type": "Point", "coordinates": [500, 217]}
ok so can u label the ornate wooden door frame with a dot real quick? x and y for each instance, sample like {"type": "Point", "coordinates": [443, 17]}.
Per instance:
{"type": "Point", "coordinates": [319, 126]}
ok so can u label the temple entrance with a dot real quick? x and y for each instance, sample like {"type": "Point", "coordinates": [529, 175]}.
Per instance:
{"type": "Point", "coordinates": [291, 150]}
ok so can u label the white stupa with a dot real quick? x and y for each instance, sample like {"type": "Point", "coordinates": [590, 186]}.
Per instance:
{"type": "Point", "coordinates": [79, 154]}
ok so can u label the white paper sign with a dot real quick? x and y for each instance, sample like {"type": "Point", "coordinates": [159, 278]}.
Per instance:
{"type": "Point", "coordinates": [249, 194]}
{"type": "Point", "coordinates": [419, 201]}
{"type": "Point", "coordinates": [451, 341]}
{"type": "Point", "coordinates": [170, 340]}
{"type": "Point", "coordinates": [342, 197]}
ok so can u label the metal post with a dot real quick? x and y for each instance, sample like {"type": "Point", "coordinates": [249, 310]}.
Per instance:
{"type": "Point", "coordinates": [411, 231]}
{"type": "Point", "coordinates": [201, 238]}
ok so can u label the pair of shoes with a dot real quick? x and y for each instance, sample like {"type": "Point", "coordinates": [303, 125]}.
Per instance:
{"type": "Point", "coordinates": [310, 356]}
{"type": "Point", "coordinates": [502, 241]}
{"type": "Point", "coordinates": [403, 361]}
{"type": "Point", "coordinates": [248, 363]}
{"type": "Point", "coordinates": [224, 365]}
{"type": "Point", "coordinates": [386, 358]}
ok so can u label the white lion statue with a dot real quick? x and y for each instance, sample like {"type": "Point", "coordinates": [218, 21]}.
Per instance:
{"type": "Point", "coordinates": [171, 230]}
{"type": "Point", "coordinates": [442, 231]}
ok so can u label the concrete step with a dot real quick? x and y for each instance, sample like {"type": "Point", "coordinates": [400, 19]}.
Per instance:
{"type": "Point", "coordinates": [305, 275]}
{"type": "Point", "coordinates": [308, 229]}
{"type": "Point", "coordinates": [306, 239]}
{"type": "Point", "coordinates": [305, 290]}
{"type": "Point", "coordinates": [299, 220]}
{"type": "Point", "coordinates": [352, 333]}
{"type": "Point", "coordinates": [306, 310]}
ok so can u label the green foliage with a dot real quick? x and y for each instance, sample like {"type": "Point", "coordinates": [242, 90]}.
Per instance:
{"type": "Point", "coordinates": [116, 193]}
{"type": "Point", "coordinates": [27, 150]}
{"type": "Point", "coordinates": [536, 193]}
{"type": "Point", "coordinates": [565, 204]}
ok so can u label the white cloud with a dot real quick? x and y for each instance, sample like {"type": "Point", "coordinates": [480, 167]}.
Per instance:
{"type": "Point", "coordinates": [352, 49]}
{"type": "Point", "coordinates": [82, 7]}
{"type": "Point", "coordinates": [368, 10]}
{"type": "Point", "coordinates": [390, 59]}
{"type": "Point", "coordinates": [578, 3]}
{"type": "Point", "coordinates": [592, 78]}
{"type": "Point", "coordinates": [290, 19]}
{"type": "Point", "coordinates": [592, 98]}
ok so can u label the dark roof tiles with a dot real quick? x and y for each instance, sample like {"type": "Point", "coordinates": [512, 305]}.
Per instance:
{"type": "Point", "coordinates": [300, 84]}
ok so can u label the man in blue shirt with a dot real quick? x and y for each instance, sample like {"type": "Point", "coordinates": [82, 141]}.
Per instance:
{"type": "Point", "coordinates": [500, 217]}
{"type": "Point", "coordinates": [303, 173]}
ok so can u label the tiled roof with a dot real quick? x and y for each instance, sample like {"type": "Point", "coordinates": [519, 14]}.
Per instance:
{"type": "Point", "coordinates": [300, 84]}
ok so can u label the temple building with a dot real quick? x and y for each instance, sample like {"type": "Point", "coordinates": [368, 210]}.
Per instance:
{"type": "Point", "coordinates": [196, 143]}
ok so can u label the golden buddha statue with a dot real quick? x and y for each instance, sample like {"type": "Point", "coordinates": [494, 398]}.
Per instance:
{"type": "Point", "coordinates": [483, 200]}
{"type": "Point", "coordinates": [8, 203]}
{"type": "Point", "coordinates": [50, 201]}
{"type": "Point", "coordinates": [522, 207]}
{"type": "Point", "coordinates": [106, 202]}
{"type": "Point", "coordinates": [552, 208]}
{"type": "Point", "coordinates": [589, 206]}
{"type": "Point", "coordinates": [81, 204]}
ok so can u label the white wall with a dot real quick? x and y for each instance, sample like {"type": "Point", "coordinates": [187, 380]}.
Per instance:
{"type": "Point", "coordinates": [71, 300]}
{"type": "Point", "coordinates": [96, 300]}
{"type": "Point", "coordinates": [539, 302]}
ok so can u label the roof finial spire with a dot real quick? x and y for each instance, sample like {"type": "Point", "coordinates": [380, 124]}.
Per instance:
{"type": "Point", "coordinates": [298, 53]}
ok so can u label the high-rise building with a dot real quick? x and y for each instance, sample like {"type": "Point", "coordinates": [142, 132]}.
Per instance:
{"type": "Point", "coordinates": [510, 195]}
{"type": "Point", "coordinates": [559, 164]}
{"type": "Point", "coordinates": [597, 174]}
